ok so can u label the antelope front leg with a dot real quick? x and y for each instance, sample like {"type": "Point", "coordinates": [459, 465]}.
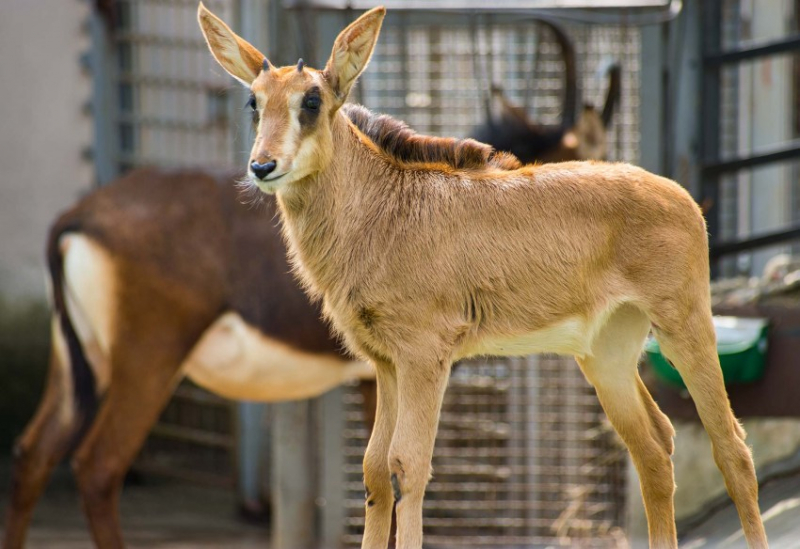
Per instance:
{"type": "Point", "coordinates": [421, 389]}
{"type": "Point", "coordinates": [379, 499]}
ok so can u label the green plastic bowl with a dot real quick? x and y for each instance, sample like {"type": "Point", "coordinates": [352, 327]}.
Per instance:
{"type": "Point", "coordinates": [741, 345]}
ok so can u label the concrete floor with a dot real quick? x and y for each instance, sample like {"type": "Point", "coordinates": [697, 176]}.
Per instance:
{"type": "Point", "coordinates": [780, 509]}
{"type": "Point", "coordinates": [165, 514]}
{"type": "Point", "coordinates": [159, 514]}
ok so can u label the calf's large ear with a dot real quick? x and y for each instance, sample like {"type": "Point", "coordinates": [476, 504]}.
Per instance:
{"type": "Point", "coordinates": [352, 51]}
{"type": "Point", "coordinates": [232, 52]}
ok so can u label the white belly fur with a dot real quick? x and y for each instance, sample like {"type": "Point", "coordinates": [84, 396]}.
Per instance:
{"type": "Point", "coordinates": [89, 292]}
{"type": "Point", "coordinates": [572, 336]}
{"type": "Point", "coordinates": [237, 361]}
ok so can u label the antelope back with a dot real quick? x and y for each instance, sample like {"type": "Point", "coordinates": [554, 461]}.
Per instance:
{"type": "Point", "coordinates": [189, 238]}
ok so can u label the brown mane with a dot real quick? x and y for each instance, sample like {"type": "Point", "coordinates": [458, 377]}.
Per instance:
{"type": "Point", "coordinates": [406, 146]}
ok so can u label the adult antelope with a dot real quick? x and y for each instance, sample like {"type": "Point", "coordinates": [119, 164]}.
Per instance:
{"type": "Point", "coordinates": [578, 136]}
{"type": "Point", "coordinates": [425, 250]}
{"type": "Point", "coordinates": [161, 275]}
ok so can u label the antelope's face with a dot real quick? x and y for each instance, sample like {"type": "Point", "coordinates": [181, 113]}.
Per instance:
{"type": "Point", "coordinates": [292, 111]}
{"type": "Point", "coordinates": [293, 108]}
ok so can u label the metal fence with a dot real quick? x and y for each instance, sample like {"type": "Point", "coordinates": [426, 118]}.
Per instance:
{"type": "Point", "coordinates": [524, 455]}
{"type": "Point", "coordinates": [433, 76]}
{"type": "Point", "coordinates": [749, 140]}
{"type": "Point", "coordinates": [172, 109]}
{"type": "Point", "coordinates": [524, 458]}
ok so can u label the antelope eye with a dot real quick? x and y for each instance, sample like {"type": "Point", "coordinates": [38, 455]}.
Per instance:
{"type": "Point", "coordinates": [312, 102]}
{"type": "Point", "coordinates": [251, 102]}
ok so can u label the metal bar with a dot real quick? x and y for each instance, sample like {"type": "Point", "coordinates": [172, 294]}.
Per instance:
{"type": "Point", "coordinates": [332, 456]}
{"type": "Point", "coordinates": [188, 434]}
{"type": "Point", "coordinates": [166, 81]}
{"type": "Point", "coordinates": [783, 45]}
{"type": "Point", "coordinates": [777, 237]}
{"type": "Point", "coordinates": [785, 152]}
{"type": "Point", "coordinates": [477, 4]}
{"type": "Point", "coordinates": [134, 37]}
{"type": "Point", "coordinates": [292, 490]}
{"type": "Point", "coordinates": [103, 59]}
{"type": "Point", "coordinates": [711, 24]}
{"type": "Point", "coordinates": [147, 465]}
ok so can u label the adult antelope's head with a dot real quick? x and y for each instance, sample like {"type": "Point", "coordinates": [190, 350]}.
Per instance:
{"type": "Point", "coordinates": [293, 107]}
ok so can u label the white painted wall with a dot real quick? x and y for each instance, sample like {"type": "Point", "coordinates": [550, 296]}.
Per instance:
{"type": "Point", "coordinates": [43, 131]}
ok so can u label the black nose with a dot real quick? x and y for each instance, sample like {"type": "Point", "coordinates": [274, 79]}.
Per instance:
{"type": "Point", "coordinates": [263, 170]}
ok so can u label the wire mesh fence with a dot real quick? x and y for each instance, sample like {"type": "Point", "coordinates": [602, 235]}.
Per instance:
{"type": "Point", "coordinates": [435, 77]}
{"type": "Point", "coordinates": [172, 110]}
{"type": "Point", "coordinates": [524, 458]}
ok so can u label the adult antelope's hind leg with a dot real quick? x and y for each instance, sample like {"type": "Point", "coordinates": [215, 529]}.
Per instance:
{"type": "Point", "coordinates": [612, 370]}
{"type": "Point", "coordinates": [40, 448]}
{"type": "Point", "coordinates": [144, 376]}
{"type": "Point", "coordinates": [690, 344]}
{"type": "Point", "coordinates": [379, 498]}
{"type": "Point", "coordinates": [421, 386]}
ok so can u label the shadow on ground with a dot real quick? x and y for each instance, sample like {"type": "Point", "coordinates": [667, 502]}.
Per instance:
{"type": "Point", "coordinates": [779, 500]}
{"type": "Point", "coordinates": [156, 513]}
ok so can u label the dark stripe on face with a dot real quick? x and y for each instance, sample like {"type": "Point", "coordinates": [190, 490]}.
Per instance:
{"type": "Point", "coordinates": [310, 108]}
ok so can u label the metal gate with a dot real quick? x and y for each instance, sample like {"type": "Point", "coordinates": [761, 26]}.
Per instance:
{"type": "Point", "coordinates": [749, 135]}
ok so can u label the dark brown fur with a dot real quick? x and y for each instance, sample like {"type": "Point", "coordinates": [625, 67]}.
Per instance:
{"type": "Point", "coordinates": [406, 146]}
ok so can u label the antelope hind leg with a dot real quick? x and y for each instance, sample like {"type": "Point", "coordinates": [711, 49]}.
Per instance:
{"type": "Point", "coordinates": [140, 387]}
{"type": "Point", "coordinates": [612, 370]}
{"type": "Point", "coordinates": [690, 345]}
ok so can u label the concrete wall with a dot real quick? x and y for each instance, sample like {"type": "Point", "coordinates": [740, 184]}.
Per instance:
{"type": "Point", "coordinates": [43, 134]}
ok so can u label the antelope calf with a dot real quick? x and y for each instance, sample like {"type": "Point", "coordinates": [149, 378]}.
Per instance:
{"type": "Point", "coordinates": [425, 250]}
{"type": "Point", "coordinates": [161, 275]}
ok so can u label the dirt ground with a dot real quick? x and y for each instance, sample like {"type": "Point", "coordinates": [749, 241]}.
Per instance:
{"type": "Point", "coordinates": [158, 513]}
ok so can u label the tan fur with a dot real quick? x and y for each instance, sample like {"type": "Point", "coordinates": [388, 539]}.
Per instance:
{"type": "Point", "coordinates": [420, 265]}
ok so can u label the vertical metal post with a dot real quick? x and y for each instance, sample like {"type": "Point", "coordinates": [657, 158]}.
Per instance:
{"type": "Point", "coordinates": [292, 477]}
{"type": "Point", "coordinates": [435, 61]}
{"type": "Point", "coordinates": [104, 102]}
{"type": "Point", "coordinates": [331, 423]}
{"type": "Point", "coordinates": [711, 24]}
{"type": "Point", "coordinates": [651, 91]}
